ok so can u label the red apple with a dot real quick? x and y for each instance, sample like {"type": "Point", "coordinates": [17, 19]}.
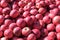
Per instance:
{"type": "Point", "coordinates": [31, 37]}
{"type": "Point", "coordinates": [17, 31]}
{"type": "Point", "coordinates": [26, 31]}
{"type": "Point", "coordinates": [8, 33]}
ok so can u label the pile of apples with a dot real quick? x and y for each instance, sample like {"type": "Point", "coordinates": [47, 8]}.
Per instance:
{"type": "Point", "coordinates": [29, 19]}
